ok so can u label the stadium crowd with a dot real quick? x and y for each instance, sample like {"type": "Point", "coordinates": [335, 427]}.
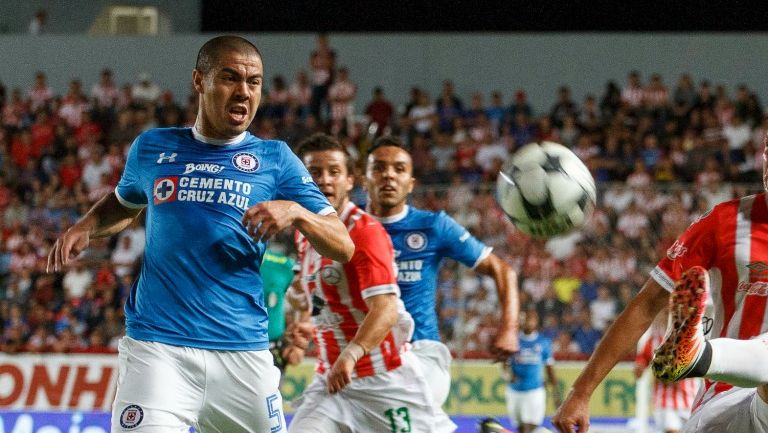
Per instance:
{"type": "Point", "coordinates": [662, 155]}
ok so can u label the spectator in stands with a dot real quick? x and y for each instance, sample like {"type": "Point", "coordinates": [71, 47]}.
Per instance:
{"type": "Point", "coordinates": [563, 108]}
{"type": "Point", "coordinates": [300, 95]}
{"type": "Point", "coordinates": [38, 23]}
{"type": "Point", "coordinates": [448, 107]}
{"type": "Point", "coordinates": [40, 95]}
{"type": "Point", "coordinates": [380, 111]}
{"type": "Point", "coordinates": [145, 91]}
{"type": "Point", "coordinates": [520, 105]}
{"type": "Point", "coordinates": [105, 93]}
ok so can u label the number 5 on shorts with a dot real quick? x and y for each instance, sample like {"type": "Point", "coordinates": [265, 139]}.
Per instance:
{"type": "Point", "coordinates": [274, 413]}
{"type": "Point", "coordinates": [397, 418]}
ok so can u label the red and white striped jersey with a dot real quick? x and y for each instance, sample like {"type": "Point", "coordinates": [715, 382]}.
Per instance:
{"type": "Point", "coordinates": [678, 395]}
{"type": "Point", "coordinates": [731, 242]}
{"type": "Point", "coordinates": [343, 288]}
{"type": "Point", "coordinates": [342, 95]}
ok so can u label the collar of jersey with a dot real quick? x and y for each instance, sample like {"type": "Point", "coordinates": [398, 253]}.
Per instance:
{"type": "Point", "coordinates": [216, 141]}
{"type": "Point", "coordinates": [529, 337]}
{"type": "Point", "coordinates": [394, 218]}
{"type": "Point", "coordinates": [347, 209]}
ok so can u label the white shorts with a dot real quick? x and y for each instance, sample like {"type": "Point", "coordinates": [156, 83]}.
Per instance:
{"type": "Point", "coordinates": [670, 419]}
{"type": "Point", "coordinates": [435, 361]}
{"type": "Point", "coordinates": [399, 401]}
{"type": "Point", "coordinates": [163, 388]}
{"type": "Point", "coordinates": [526, 407]}
{"type": "Point", "coordinates": [736, 410]}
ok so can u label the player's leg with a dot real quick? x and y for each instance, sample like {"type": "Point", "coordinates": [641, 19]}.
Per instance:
{"type": "Point", "coordinates": [159, 388]}
{"type": "Point", "coordinates": [685, 352]}
{"type": "Point", "coordinates": [399, 400]}
{"type": "Point", "coordinates": [318, 411]}
{"type": "Point", "coordinates": [735, 410]}
{"type": "Point", "coordinates": [514, 401]}
{"type": "Point", "coordinates": [315, 422]}
{"type": "Point", "coordinates": [532, 409]}
{"type": "Point", "coordinates": [668, 420]}
{"type": "Point", "coordinates": [242, 394]}
{"type": "Point", "coordinates": [435, 359]}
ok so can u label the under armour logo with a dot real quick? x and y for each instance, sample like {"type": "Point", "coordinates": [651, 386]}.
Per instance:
{"type": "Point", "coordinates": [163, 158]}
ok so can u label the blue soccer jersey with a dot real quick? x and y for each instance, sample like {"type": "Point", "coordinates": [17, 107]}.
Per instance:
{"type": "Point", "coordinates": [528, 363]}
{"type": "Point", "coordinates": [199, 284]}
{"type": "Point", "coordinates": [421, 239]}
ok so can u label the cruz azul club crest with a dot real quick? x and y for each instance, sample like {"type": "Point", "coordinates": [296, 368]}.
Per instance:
{"type": "Point", "coordinates": [131, 416]}
{"type": "Point", "coordinates": [246, 162]}
{"type": "Point", "coordinates": [416, 241]}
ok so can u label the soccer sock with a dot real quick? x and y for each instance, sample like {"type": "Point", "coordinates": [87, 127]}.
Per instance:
{"type": "Point", "coordinates": [742, 363]}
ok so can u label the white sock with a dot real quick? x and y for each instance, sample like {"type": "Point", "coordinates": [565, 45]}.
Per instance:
{"type": "Point", "coordinates": [742, 363]}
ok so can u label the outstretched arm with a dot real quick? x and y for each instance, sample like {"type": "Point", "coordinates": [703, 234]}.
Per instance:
{"type": "Point", "coordinates": [106, 218]}
{"type": "Point", "coordinates": [382, 316]}
{"type": "Point", "coordinates": [620, 339]}
{"type": "Point", "coordinates": [506, 286]}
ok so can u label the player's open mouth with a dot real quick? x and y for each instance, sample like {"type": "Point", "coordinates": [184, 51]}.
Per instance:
{"type": "Point", "coordinates": [238, 114]}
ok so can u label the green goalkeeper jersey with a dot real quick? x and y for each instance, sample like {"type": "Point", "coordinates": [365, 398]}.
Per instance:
{"type": "Point", "coordinates": [277, 274]}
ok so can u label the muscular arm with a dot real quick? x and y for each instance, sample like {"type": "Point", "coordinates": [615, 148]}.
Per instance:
{"type": "Point", "coordinates": [620, 339]}
{"type": "Point", "coordinates": [552, 380]}
{"type": "Point", "coordinates": [327, 234]}
{"type": "Point", "coordinates": [381, 317]}
{"type": "Point", "coordinates": [506, 286]}
{"type": "Point", "coordinates": [106, 218]}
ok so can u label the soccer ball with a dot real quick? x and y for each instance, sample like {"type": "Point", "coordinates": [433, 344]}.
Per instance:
{"type": "Point", "coordinates": [546, 190]}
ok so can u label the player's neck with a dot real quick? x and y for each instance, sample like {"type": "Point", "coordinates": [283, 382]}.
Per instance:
{"type": "Point", "coordinates": [388, 214]}
{"type": "Point", "coordinates": [198, 131]}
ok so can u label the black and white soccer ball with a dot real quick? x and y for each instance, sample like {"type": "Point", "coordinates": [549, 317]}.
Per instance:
{"type": "Point", "coordinates": [546, 190]}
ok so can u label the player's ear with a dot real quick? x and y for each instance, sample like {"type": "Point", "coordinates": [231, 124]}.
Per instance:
{"type": "Point", "coordinates": [197, 80]}
{"type": "Point", "coordinates": [412, 184]}
{"type": "Point", "coordinates": [350, 182]}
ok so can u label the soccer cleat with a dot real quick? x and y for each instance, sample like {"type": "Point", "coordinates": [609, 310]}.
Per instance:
{"type": "Point", "coordinates": [684, 342]}
{"type": "Point", "coordinates": [490, 425]}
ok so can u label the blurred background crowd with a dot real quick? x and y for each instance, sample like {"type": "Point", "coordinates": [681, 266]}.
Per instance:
{"type": "Point", "coordinates": [663, 150]}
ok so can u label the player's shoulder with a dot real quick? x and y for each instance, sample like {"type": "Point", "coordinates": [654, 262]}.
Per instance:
{"type": "Point", "coordinates": [166, 133]}
{"type": "Point", "coordinates": [163, 138]}
{"type": "Point", "coordinates": [277, 146]}
{"type": "Point", "coordinates": [422, 218]}
{"type": "Point", "coordinates": [729, 207]}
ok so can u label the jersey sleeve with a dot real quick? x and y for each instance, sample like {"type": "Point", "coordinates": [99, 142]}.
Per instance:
{"type": "Point", "coordinates": [457, 243]}
{"type": "Point", "coordinates": [373, 260]}
{"type": "Point", "coordinates": [296, 184]}
{"type": "Point", "coordinates": [695, 247]}
{"type": "Point", "coordinates": [129, 190]}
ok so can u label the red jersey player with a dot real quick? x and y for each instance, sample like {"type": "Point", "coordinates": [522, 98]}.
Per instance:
{"type": "Point", "coordinates": [365, 379]}
{"type": "Point", "coordinates": [722, 256]}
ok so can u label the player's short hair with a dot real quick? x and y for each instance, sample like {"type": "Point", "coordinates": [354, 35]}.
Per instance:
{"type": "Point", "coordinates": [319, 142]}
{"type": "Point", "coordinates": [208, 56]}
{"type": "Point", "coordinates": [387, 141]}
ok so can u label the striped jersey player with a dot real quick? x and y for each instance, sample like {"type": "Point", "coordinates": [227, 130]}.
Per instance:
{"type": "Point", "coordinates": [365, 378]}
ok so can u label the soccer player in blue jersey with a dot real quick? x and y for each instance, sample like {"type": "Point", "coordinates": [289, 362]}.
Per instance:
{"type": "Point", "coordinates": [422, 239]}
{"type": "Point", "coordinates": [526, 397]}
{"type": "Point", "coordinates": [196, 346]}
